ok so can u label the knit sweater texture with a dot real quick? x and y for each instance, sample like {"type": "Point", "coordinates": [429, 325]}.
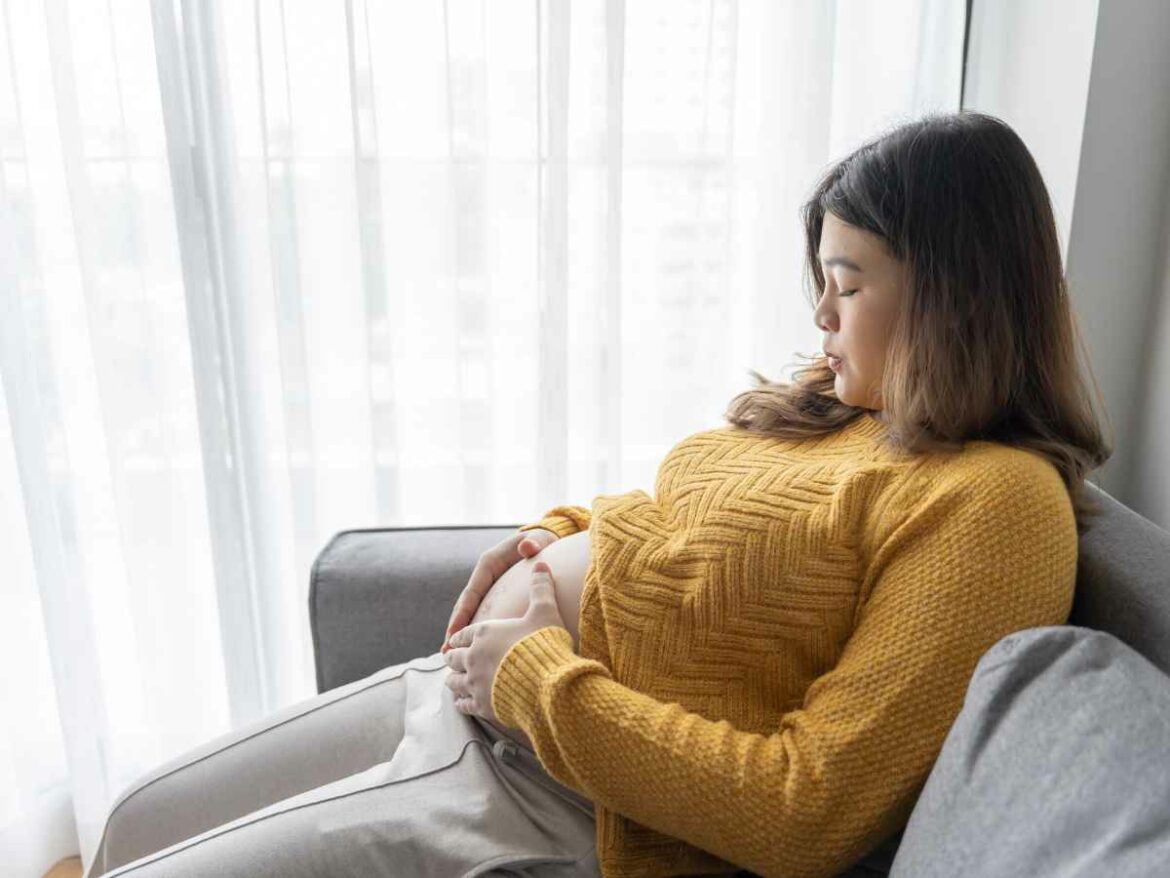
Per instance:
{"type": "Point", "coordinates": [774, 646]}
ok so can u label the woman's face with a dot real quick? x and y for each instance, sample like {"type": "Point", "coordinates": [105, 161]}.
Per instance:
{"type": "Point", "coordinates": [863, 283]}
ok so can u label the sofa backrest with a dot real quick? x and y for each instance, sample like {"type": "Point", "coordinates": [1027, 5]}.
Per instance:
{"type": "Point", "coordinates": [1123, 579]}
{"type": "Point", "coordinates": [379, 596]}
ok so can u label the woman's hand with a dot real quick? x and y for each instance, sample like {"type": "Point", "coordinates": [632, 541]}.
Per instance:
{"type": "Point", "coordinates": [492, 564]}
{"type": "Point", "coordinates": [477, 650]}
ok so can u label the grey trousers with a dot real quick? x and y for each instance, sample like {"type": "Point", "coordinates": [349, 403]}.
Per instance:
{"type": "Point", "coordinates": [380, 777]}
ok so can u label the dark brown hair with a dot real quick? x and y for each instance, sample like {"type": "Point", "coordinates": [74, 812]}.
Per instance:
{"type": "Point", "coordinates": [984, 342]}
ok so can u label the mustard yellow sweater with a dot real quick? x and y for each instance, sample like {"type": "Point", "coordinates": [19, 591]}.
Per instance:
{"type": "Point", "coordinates": [774, 647]}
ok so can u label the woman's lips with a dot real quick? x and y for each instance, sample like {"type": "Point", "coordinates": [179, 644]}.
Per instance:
{"type": "Point", "coordinates": [834, 363]}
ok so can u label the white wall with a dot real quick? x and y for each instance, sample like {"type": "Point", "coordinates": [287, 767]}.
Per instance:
{"type": "Point", "coordinates": [1028, 62]}
{"type": "Point", "coordinates": [1086, 84]}
{"type": "Point", "coordinates": [1118, 243]}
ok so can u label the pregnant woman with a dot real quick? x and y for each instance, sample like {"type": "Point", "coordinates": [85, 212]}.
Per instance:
{"type": "Point", "coordinates": [755, 667]}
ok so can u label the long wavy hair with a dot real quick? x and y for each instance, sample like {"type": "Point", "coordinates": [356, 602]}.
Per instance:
{"type": "Point", "coordinates": [984, 342]}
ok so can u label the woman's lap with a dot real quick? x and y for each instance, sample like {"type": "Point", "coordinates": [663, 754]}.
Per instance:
{"type": "Point", "coordinates": [433, 797]}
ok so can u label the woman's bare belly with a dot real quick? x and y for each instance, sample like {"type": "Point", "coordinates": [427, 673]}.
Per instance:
{"type": "Point", "coordinates": [567, 559]}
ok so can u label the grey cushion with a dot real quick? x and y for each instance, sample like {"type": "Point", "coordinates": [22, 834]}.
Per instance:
{"type": "Point", "coordinates": [1057, 765]}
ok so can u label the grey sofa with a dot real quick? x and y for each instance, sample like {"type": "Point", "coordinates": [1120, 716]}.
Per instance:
{"type": "Point", "coordinates": [380, 596]}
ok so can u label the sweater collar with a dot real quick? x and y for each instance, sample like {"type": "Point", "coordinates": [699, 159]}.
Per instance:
{"type": "Point", "coordinates": [867, 425]}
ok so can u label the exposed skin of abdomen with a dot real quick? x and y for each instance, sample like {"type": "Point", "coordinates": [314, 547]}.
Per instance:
{"type": "Point", "coordinates": [567, 559]}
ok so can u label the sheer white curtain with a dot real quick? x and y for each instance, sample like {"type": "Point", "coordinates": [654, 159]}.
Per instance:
{"type": "Point", "coordinates": [271, 270]}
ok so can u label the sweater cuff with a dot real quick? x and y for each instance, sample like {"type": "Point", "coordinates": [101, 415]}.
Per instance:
{"type": "Point", "coordinates": [562, 527]}
{"type": "Point", "coordinates": [562, 520]}
{"type": "Point", "coordinates": [523, 669]}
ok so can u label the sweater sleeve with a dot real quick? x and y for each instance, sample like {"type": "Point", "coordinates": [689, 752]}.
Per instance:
{"type": "Point", "coordinates": [562, 520]}
{"type": "Point", "coordinates": [970, 565]}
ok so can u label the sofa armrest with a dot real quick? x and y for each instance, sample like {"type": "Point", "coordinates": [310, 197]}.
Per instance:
{"type": "Point", "coordinates": [382, 596]}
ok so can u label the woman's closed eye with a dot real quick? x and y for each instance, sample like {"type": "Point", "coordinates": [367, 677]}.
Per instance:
{"type": "Point", "coordinates": [846, 292]}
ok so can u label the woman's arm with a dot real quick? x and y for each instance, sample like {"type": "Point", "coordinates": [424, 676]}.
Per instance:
{"type": "Point", "coordinates": [973, 564]}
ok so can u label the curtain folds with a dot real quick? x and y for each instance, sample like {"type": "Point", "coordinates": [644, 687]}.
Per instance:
{"type": "Point", "coordinates": [271, 270]}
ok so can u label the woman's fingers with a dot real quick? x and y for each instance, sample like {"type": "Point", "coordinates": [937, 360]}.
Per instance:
{"type": "Point", "coordinates": [535, 541]}
{"type": "Point", "coordinates": [457, 622]}
{"type": "Point", "coordinates": [464, 610]}
{"type": "Point", "coordinates": [471, 596]}
{"type": "Point", "coordinates": [491, 565]}
{"type": "Point", "coordinates": [456, 614]}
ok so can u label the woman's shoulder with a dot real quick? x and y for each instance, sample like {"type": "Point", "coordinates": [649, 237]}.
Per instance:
{"type": "Point", "coordinates": [986, 497]}
{"type": "Point", "coordinates": [997, 475]}
{"type": "Point", "coordinates": [990, 458]}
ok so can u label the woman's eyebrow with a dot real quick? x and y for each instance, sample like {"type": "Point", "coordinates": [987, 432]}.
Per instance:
{"type": "Point", "coordinates": [843, 262]}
